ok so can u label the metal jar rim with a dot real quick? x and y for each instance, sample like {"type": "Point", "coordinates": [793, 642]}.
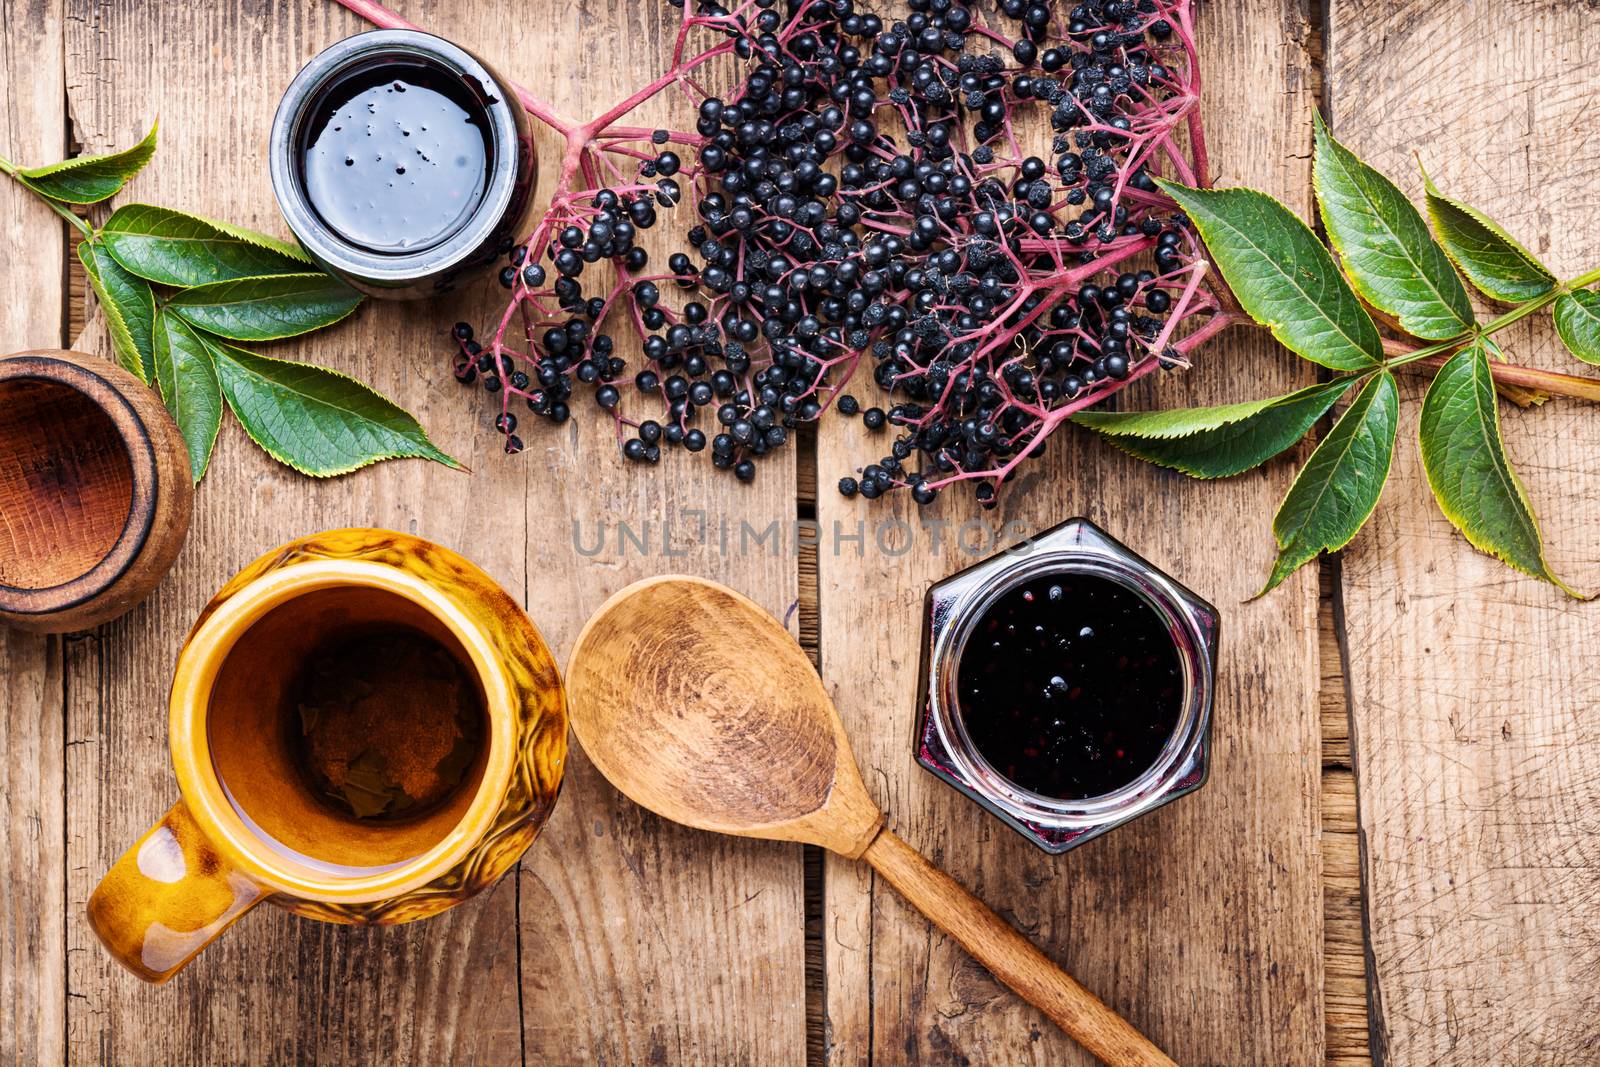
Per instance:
{"type": "Point", "coordinates": [1146, 791]}
{"type": "Point", "coordinates": [322, 241]}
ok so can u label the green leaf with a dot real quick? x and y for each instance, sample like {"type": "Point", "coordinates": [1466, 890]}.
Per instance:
{"type": "Point", "coordinates": [1282, 275]}
{"type": "Point", "coordinates": [130, 310]}
{"type": "Point", "coordinates": [89, 179]}
{"type": "Point", "coordinates": [1577, 317]}
{"type": "Point", "coordinates": [189, 385]}
{"type": "Point", "coordinates": [1337, 489]}
{"type": "Point", "coordinates": [266, 309]}
{"type": "Point", "coordinates": [1392, 258]}
{"type": "Point", "coordinates": [1465, 459]}
{"type": "Point", "coordinates": [172, 248]}
{"type": "Point", "coordinates": [318, 421]}
{"type": "Point", "coordinates": [1217, 442]}
{"type": "Point", "coordinates": [1500, 267]}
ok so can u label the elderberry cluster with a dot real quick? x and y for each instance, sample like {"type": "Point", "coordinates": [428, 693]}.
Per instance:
{"type": "Point", "coordinates": [864, 194]}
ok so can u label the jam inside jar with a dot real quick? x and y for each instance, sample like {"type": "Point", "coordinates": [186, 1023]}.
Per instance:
{"type": "Point", "coordinates": [1070, 685]}
{"type": "Point", "coordinates": [402, 163]}
{"type": "Point", "coordinates": [395, 156]}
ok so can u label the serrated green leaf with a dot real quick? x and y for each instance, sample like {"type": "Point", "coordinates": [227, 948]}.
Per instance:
{"type": "Point", "coordinates": [172, 248]}
{"type": "Point", "coordinates": [188, 381]}
{"type": "Point", "coordinates": [89, 179]}
{"type": "Point", "coordinates": [1490, 257]}
{"type": "Point", "coordinates": [130, 309]}
{"type": "Point", "coordinates": [1336, 490]}
{"type": "Point", "coordinates": [1465, 459]}
{"type": "Point", "coordinates": [318, 421]}
{"type": "Point", "coordinates": [1282, 275]}
{"type": "Point", "coordinates": [1577, 316]}
{"type": "Point", "coordinates": [266, 309]}
{"type": "Point", "coordinates": [1386, 247]}
{"type": "Point", "coordinates": [1217, 442]}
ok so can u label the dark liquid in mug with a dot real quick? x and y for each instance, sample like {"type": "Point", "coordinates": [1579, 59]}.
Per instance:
{"type": "Point", "coordinates": [396, 157]}
{"type": "Point", "coordinates": [1070, 686]}
{"type": "Point", "coordinates": [387, 723]}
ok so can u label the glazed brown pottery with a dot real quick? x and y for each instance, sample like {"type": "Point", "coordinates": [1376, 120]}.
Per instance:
{"type": "Point", "coordinates": [252, 825]}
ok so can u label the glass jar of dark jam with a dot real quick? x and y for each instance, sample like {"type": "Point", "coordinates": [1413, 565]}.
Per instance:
{"type": "Point", "coordinates": [1069, 685]}
{"type": "Point", "coordinates": [402, 163]}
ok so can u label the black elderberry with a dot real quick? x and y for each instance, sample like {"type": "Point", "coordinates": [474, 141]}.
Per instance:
{"type": "Point", "coordinates": [797, 269]}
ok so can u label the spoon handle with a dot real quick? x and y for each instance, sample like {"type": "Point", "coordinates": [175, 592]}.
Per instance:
{"type": "Point", "coordinates": [1011, 957]}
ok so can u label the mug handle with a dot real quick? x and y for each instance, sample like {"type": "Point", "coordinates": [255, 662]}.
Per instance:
{"type": "Point", "coordinates": [168, 897]}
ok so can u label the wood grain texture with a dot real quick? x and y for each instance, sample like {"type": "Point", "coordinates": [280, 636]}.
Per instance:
{"type": "Point", "coordinates": [1009, 956]}
{"type": "Point", "coordinates": [1201, 923]}
{"type": "Point", "coordinates": [698, 705]}
{"type": "Point", "coordinates": [66, 494]}
{"type": "Point", "coordinates": [96, 493]}
{"type": "Point", "coordinates": [1344, 989]}
{"type": "Point", "coordinates": [33, 988]}
{"type": "Point", "coordinates": [1473, 688]}
{"type": "Point", "coordinates": [603, 977]}
{"type": "Point", "coordinates": [695, 980]}
{"type": "Point", "coordinates": [643, 942]}
{"type": "Point", "coordinates": [33, 992]}
{"type": "Point", "coordinates": [277, 988]}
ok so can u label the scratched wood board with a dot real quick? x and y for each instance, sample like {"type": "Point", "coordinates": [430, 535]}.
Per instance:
{"type": "Point", "coordinates": [622, 941]}
{"type": "Point", "coordinates": [1476, 743]}
{"type": "Point", "coordinates": [1203, 921]}
{"type": "Point", "coordinates": [643, 942]}
{"type": "Point", "coordinates": [32, 866]}
{"type": "Point", "coordinates": [31, 973]}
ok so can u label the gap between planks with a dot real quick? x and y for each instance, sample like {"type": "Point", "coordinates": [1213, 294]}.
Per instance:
{"type": "Point", "coordinates": [1344, 992]}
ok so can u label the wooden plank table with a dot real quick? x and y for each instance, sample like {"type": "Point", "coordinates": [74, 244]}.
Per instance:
{"type": "Point", "coordinates": [1474, 690]}
{"type": "Point", "coordinates": [1230, 926]}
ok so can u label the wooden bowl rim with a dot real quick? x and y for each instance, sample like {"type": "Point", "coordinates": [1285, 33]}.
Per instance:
{"type": "Point", "coordinates": [135, 435]}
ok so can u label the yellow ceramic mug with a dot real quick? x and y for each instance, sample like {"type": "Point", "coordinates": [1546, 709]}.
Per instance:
{"type": "Point", "coordinates": [252, 824]}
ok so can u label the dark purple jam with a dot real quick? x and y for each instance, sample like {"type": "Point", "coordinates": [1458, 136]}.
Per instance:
{"type": "Point", "coordinates": [396, 156]}
{"type": "Point", "coordinates": [1070, 686]}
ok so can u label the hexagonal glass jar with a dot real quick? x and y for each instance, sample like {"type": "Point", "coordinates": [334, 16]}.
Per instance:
{"type": "Point", "coordinates": [954, 607]}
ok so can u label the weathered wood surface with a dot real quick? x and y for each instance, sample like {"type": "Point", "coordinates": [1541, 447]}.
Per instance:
{"type": "Point", "coordinates": [1344, 962]}
{"type": "Point", "coordinates": [1475, 736]}
{"type": "Point", "coordinates": [33, 989]}
{"type": "Point", "coordinates": [1201, 922]}
{"type": "Point", "coordinates": [276, 988]}
{"type": "Point", "coordinates": [637, 941]}
{"type": "Point", "coordinates": [642, 941]}
{"type": "Point", "coordinates": [622, 930]}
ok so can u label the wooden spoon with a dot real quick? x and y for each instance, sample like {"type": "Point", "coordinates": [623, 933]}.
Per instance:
{"type": "Point", "coordinates": [698, 705]}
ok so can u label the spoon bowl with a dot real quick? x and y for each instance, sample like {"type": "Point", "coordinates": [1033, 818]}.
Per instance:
{"type": "Point", "coordinates": [697, 704]}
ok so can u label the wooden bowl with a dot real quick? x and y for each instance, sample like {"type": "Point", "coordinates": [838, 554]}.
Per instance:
{"type": "Point", "coordinates": [95, 490]}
